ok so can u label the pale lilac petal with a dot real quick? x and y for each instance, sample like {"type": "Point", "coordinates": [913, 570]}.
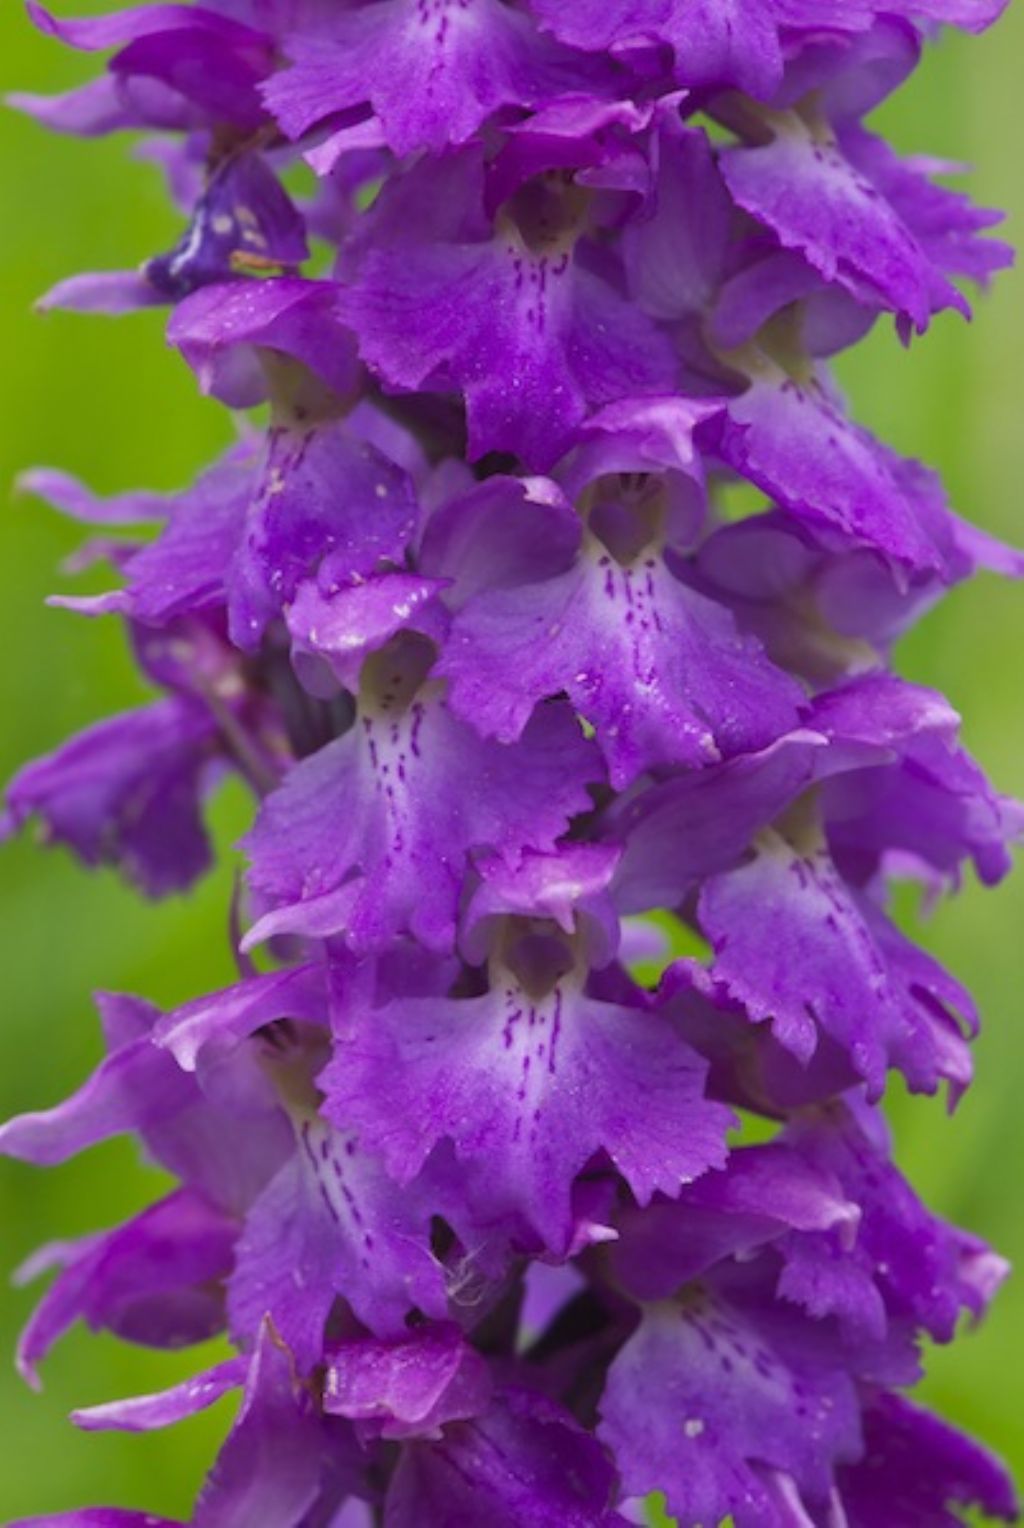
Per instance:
{"type": "Point", "coordinates": [143, 1412]}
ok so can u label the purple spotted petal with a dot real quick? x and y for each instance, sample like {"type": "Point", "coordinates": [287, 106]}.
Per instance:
{"type": "Point", "coordinates": [935, 806]}
{"type": "Point", "coordinates": [925, 1270]}
{"type": "Point", "coordinates": [432, 72]}
{"type": "Point", "coordinates": [402, 795]}
{"type": "Point", "coordinates": [710, 1395]}
{"type": "Point", "coordinates": [795, 444]}
{"type": "Point", "coordinates": [327, 503]}
{"type": "Point", "coordinates": [947, 225]}
{"type": "Point", "coordinates": [331, 1224]}
{"type": "Point", "coordinates": [531, 1087]}
{"type": "Point", "coordinates": [852, 982]}
{"type": "Point", "coordinates": [524, 1461]}
{"type": "Point", "coordinates": [815, 202]}
{"type": "Point", "coordinates": [531, 337]}
{"type": "Point", "coordinates": [547, 609]}
{"type": "Point", "coordinates": [730, 43]}
{"type": "Point", "coordinates": [660, 672]}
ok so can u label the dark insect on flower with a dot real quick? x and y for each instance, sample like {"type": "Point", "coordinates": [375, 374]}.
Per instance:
{"type": "Point", "coordinates": [244, 224]}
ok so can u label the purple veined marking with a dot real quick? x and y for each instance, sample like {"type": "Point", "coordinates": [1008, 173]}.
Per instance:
{"type": "Point", "coordinates": [477, 615]}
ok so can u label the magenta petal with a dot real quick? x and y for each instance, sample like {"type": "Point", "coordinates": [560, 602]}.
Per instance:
{"type": "Point", "coordinates": [119, 27]}
{"type": "Point", "coordinates": [275, 1456]}
{"type": "Point", "coordinates": [762, 1193]}
{"type": "Point", "coordinates": [794, 443]}
{"type": "Point", "coordinates": [96, 1517]}
{"type": "Point", "coordinates": [852, 983]}
{"type": "Point", "coordinates": [919, 1469]}
{"type": "Point", "coordinates": [345, 624]}
{"type": "Point", "coordinates": [132, 1089]}
{"type": "Point", "coordinates": [96, 108]}
{"type": "Point", "coordinates": [206, 59]}
{"type": "Point", "coordinates": [531, 337]}
{"type": "Point", "coordinates": [152, 1280]}
{"type": "Point", "coordinates": [524, 1461]}
{"type": "Point", "coordinates": [432, 75]}
{"type": "Point", "coordinates": [533, 1160]}
{"type": "Point", "coordinates": [706, 1394]}
{"type": "Point", "coordinates": [409, 1387]}
{"type": "Point", "coordinates": [816, 202]}
{"type": "Point", "coordinates": [143, 1412]}
{"type": "Point", "coordinates": [659, 670]}
{"type": "Point", "coordinates": [72, 498]}
{"type": "Point", "coordinates": [218, 328]}
{"type": "Point", "coordinates": [327, 504]}
{"type": "Point", "coordinates": [414, 782]}
{"type": "Point", "coordinates": [127, 791]}
{"type": "Point", "coordinates": [532, 1088]}
{"type": "Point", "coordinates": [332, 1224]}
{"type": "Point", "coordinates": [221, 1019]}
{"type": "Point", "coordinates": [715, 42]}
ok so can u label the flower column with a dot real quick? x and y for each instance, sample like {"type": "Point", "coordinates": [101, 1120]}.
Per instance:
{"type": "Point", "coordinates": [510, 1215]}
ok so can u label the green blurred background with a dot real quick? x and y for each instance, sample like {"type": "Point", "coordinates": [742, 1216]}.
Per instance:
{"type": "Point", "coordinates": [107, 401]}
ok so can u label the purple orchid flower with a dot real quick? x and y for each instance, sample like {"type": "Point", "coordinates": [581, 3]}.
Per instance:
{"type": "Point", "coordinates": [461, 1169]}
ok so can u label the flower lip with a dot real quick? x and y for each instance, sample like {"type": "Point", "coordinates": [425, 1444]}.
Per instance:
{"type": "Point", "coordinates": [556, 585]}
